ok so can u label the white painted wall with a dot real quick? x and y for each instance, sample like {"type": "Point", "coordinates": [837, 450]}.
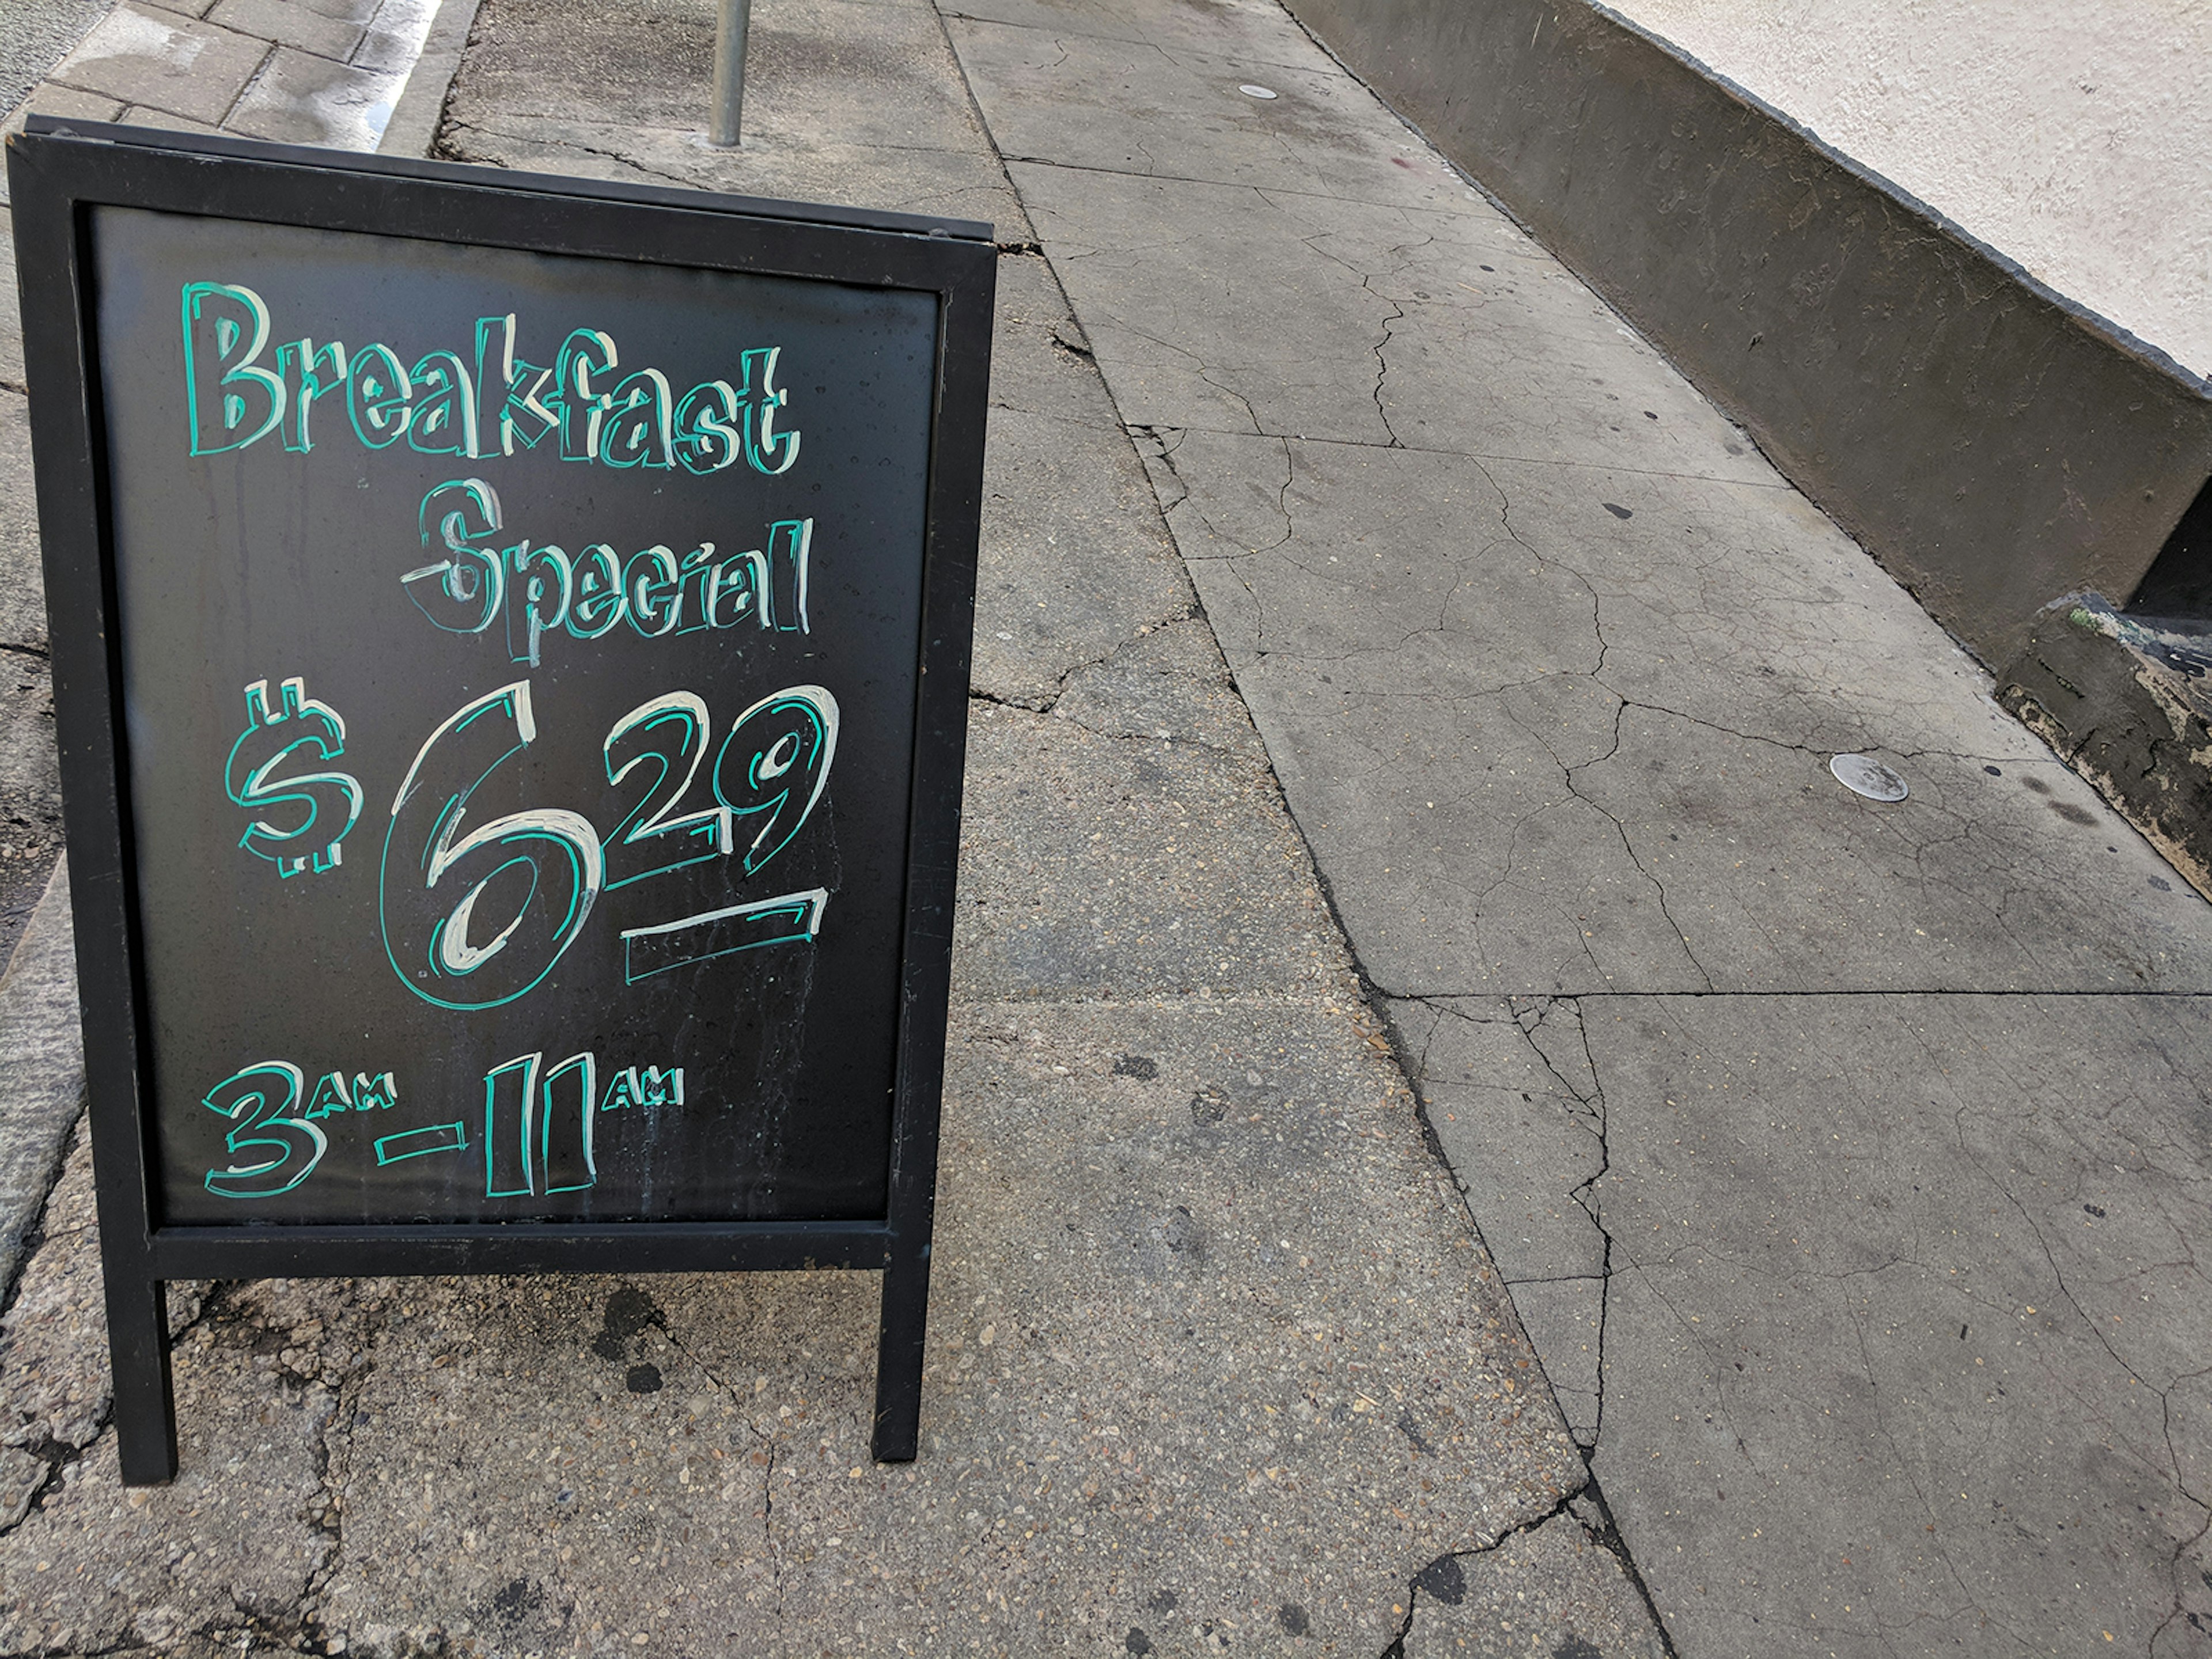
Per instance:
{"type": "Point", "coordinates": [2074, 136]}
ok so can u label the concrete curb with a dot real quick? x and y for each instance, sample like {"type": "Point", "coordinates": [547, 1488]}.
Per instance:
{"type": "Point", "coordinates": [42, 1089]}
{"type": "Point", "coordinates": [414, 124]}
{"type": "Point", "coordinates": [1894, 367]}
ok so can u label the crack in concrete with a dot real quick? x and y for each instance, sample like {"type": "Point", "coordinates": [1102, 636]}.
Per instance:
{"type": "Point", "coordinates": [1383, 363]}
{"type": "Point", "coordinates": [1480, 457]}
{"type": "Point", "coordinates": [1906, 1466]}
{"type": "Point", "coordinates": [334, 1464]}
{"type": "Point", "coordinates": [61, 1454]}
{"type": "Point", "coordinates": [1585, 1195]}
{"type": "Point", "coordinates": [1628, 846]}
{"type": "Point", "coordinates": [2058, 1278]}
{"type": "Point", "coordinates": [1049, 703]}
{"type": "Point", "coordinates": [1443, 1580]}
{"type": "Point", "coordinates": [1532, 1015]}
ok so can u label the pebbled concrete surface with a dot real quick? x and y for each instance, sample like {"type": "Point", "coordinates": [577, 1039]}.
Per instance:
{"type": "Point", "coordinates": [856, 101]}
{"type": "Point", "coordinates": [1551, 1588]}
{"type": "Point", "coordinates": [35, 35]}
{"type": "Point", "coordinates": [42, 1090]}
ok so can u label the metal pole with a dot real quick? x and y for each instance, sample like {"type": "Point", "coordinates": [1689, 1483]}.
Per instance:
{"type": "Point", "coordinates": [733, 19]}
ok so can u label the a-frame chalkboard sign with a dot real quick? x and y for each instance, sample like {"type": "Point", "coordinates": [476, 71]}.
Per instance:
{"type": "Point", "coordinates": [510, 649]}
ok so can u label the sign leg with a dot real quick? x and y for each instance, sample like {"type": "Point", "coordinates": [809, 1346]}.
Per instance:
{"type": "Point", "coordinates": [145, 1407]}
{"type": "Point", "coordinates": [898, 1354]}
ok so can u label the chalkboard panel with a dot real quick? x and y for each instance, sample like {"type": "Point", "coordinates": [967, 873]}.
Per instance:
{"type": "Point", "coordinates": [510, 640]}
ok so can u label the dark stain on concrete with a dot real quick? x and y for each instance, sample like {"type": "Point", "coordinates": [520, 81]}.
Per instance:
{"type": "Point", "coordinates": [628, 1311]}
{"type": "Point", "coordinates": [1444, 1579]}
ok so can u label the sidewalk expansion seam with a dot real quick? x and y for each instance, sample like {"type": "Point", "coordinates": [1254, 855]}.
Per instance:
{"type": "Point", "coordinates": [1781, 487]}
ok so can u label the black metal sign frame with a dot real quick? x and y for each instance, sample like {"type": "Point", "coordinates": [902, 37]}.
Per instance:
{"type": "Point", "coordinates": [59, 173]}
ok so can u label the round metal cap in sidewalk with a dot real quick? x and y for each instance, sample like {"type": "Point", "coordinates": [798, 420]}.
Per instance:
{"type": "Point", "coordinates": [1863, 775]}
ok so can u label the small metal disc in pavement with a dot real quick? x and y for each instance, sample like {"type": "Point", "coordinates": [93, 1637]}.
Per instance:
{"type": "Point", "coordinates": [1250, 91]}
{"type": "Point", "coordinates": [1863, 775]}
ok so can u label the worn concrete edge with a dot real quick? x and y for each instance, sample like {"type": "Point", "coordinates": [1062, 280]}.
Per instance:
{"type": "Point", "coordinates": [1683, 199]}
{"type": "Point", "coordinates": [420, 105]}
{"type": "Point", "coordinates": [42, 1084]}
{"type": "Point", "coordinates": [2121, 705]}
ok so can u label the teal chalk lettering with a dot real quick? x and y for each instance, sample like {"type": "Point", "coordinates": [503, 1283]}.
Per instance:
{"type": "Point", "coordinates": [508, 405]}
{"type": "Point", "coordinates": [374, 1094]}
{"type": "Point", "coordinates": [768, 448]}
{"type": "Point", "coordinates": [330, 1097]}
{"type": "Point", "coordinates": [272, 1151]}
{"type": "Point", "coordinates": [461, 592]}
{"type": "Point", "coordinates": [597, 601]}
{"type": "Point", "coordinates": [639, 429]}
{"type": "Point", "coordinates": [623, 1089]}
{"type": "Point", "coordinates": [585, 353]}
{"type": "Point", "coordinates": [308, 372]}
{"type": "Point", "coordinates": [444, 420]}
{"type": "Point", "coordinates": [564, 1126]}
{"type": "Point", "coordinates": [539, 583]}
{"type": "Point", "coordinates": [419, 1143]}
{"type": "Point", "coordinates": [695, 574]}
{"type": "Point", "coordinates": [510, 1104]}
{"type": "Point", "coordinates": [738, 590]}
{"type": "Point", "coordinates": [656, 597]}
{"type": "Point", "coordinates": [254, 778]}
{"type": "Point", "coordinates": [789, 544]}
{"type": "Point", "coordinates": [379, 396]}
{"type": "Point", "coordinates": [229, 402]}
{"type": "Point", "coordinates": [710, 433]}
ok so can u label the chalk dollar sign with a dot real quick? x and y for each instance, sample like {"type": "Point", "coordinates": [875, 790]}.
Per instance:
{"type": "Point", "coordinates": [303, 817]}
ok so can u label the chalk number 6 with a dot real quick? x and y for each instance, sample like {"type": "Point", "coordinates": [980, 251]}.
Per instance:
{"type": "Point", "coordinates": [536, 872]}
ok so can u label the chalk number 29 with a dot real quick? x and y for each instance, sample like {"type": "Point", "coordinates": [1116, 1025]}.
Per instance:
{"type": "Point", "coordinates": [476, 916]}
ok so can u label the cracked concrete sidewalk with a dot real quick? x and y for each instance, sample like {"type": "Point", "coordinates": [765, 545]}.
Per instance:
{"type": "Point", "coordinates": [1217, 1359]}
{"type": "Point", "coordinates": [1845, 1160]}
{"type": "Point", "coordinates": [1838, 1158]}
